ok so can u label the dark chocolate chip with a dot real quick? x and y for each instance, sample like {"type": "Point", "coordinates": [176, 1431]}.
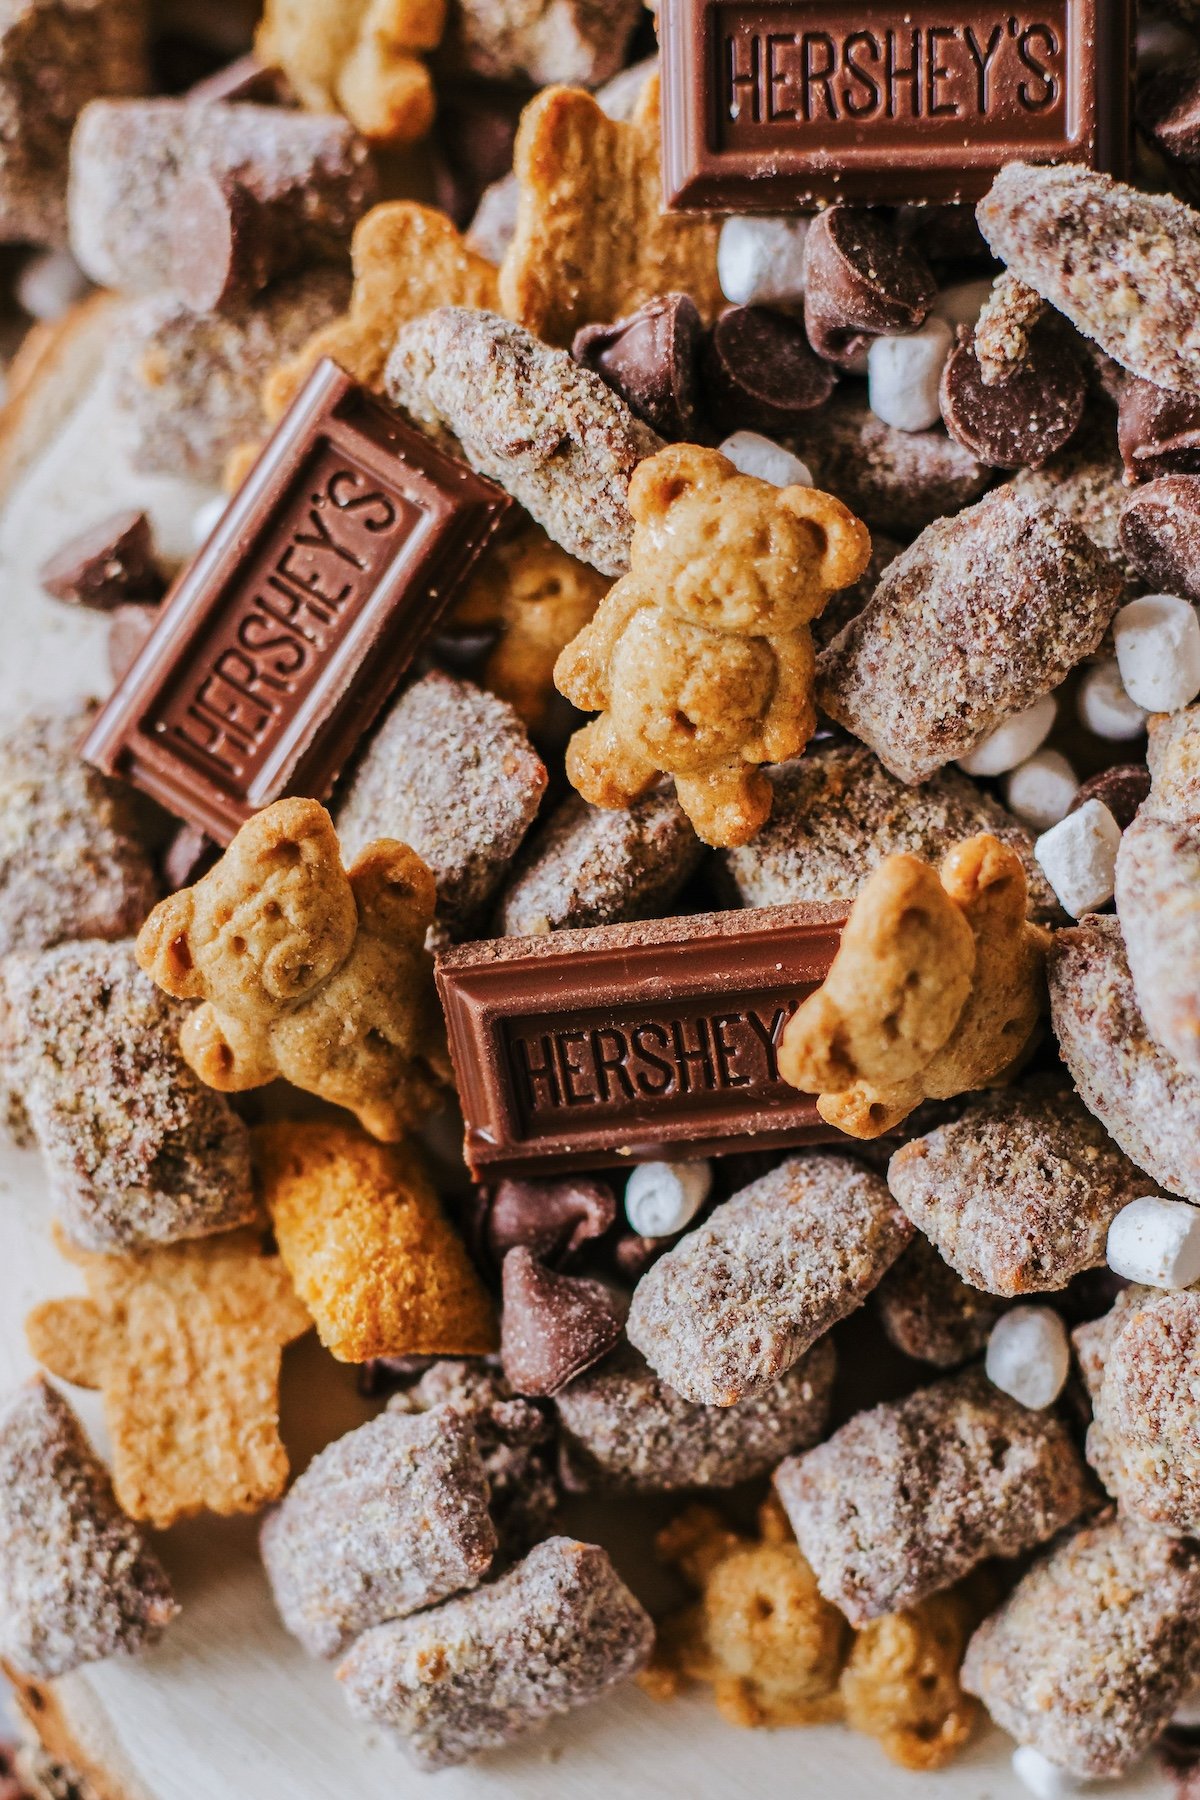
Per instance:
{"type": "Point", "coordinates": [128, 628]}
{"type": "Point", "coordinates": [1021, 421]}
{"type": "Point", "coordinates": [553, 1219]}
{"type": "Point", "coordinates": [107, 565]}
{"type": "Point", "coordinates": [1122, 789]}
{"type": "Point", "coordinates": [650, 359]}
{"type": "Point", "coordinates": [860, 281]}
{"type": "Point", "coordinates": [189, 855]}
{"type": "Point", "coordinates": [1158, 430]}
{"type": "Point", "coordinates": [633, 1255]}
{"type": "Point", "coordinates": [759, 374]}
{"type": "Point", "coordinates": [553, 1327]}
{"type": "Point", "coordinates": [1168, 111]}
{"type": "Point", "coordinates": [1160, 534]}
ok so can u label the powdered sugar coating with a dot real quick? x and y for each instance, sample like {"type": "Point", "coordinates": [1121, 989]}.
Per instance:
{"type": "Point", "coordinates": [1091, 1653]}
{"type": "Point", "coordinates": [557, 1631]}
{"type": "Point", "coordinates": [929, 1313]}
{"type": "Point", "coordinates": [1019, 1192]}
{"type": "Point", "coordinates": [548, 430]}
{"type": "Point", "coordinates": [909, 1496]}
{"type": "Point", "coordinates": [77, 1579]}
{"type": "Point", "coordinates": [976, 620]}
{"type": "Point", "coordinates": [739, 1300]}
{"type": "Point", "coordinates": [896, 481]}
{"type": "Point", "coordinates": [1144, 1441]}
{"type": "Point", "coordinates": [138, 1150]}
{"type": "Point", "coordinates": [1086, 482]}
{"type": "Point", "coordinates": [623, 1427]}
{"type": "Point", "coordinates": [390, 1518]}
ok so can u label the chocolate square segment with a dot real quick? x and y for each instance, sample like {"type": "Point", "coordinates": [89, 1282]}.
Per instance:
{"type": "Point", "coordinates": [630, 1042]}
{"type": "Point", "coordinates": [789, 104]}
{"type": "Point", "coordinates": [281, 641]}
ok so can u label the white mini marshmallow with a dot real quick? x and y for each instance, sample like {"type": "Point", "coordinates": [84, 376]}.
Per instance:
{"type": "Point", "coordinates": [752, 454]}
{"type": "Point", "coordinates": [1012, 741]}
{"type": "Point", "coordinates": [1044, 1779]}
{"type": "Point", "coordinates": [760, 261]}
{"type": "Point", "coordinates": [50, 284]}
{"type": "Point", "coordinates": [1029, 1355]}
{"type": "Point", "coordinates": [1157, 640]}
{"type": "Point", "coordinates": [1041, 789]}
{"type": "Point", "coordinates": [206, 518]}
{"type": "Point", "coordinates": [1105, 708]}
{"type": "Point", "coordinates": [1078, 857]}
{"type": "Point", "coordinates": [662, 1197]}
{"type": "Point", "coordinates": [903, 375]}
{"type": "Point", "coordinates": [962, 303]}
{"type": "Point", "coordinates": [1157, 1242]}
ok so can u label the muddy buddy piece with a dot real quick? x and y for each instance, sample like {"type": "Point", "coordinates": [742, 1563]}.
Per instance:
{"type": "Point", "coordinates": [391, 1518]}
{"type": "Point", "coordinates": [73, 863]}
{"type": "Point", "coordinates": [1143, 1362]}
{"type": "Point", "coordinates": [1085, 481]}
{"type": "Point", "coordinates": [1017, 1194]}
{"type": "Point", "coordinates": [929, 1313]}
{"type": "Point", "coordinates": [138, 1151]}
{"type": "Point", "coordinates": [78, 1580]}
{"type": "Point", "coordinates": [739, 1300]}
{"type": "Point", "coordinates": [908, 1497]}
{"type": "Point", "coordinates": [483, 1671]}
{"type": "Point", "coordinates": [621, 1427]}
{"type": "Point", "coordinates": [897, 481]}
{"type": "Point", "coordinates": [1095, 1648]}
{"type": "Point", "coordinates": [979, 618]}
{"type": "Point", "coordinates": [1003, 335]}
{"type": "Point", "coordinates": [1160, 533]}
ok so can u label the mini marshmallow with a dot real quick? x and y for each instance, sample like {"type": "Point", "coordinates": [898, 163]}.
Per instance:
{"type": "Point", "coordinates": [1040, 789]}
{"type": "Point", "coordinates": [1044, 1779]}
{"type": "Point", "coordinates": [662, 1197]}
{"type": "Point", "coordinates": [751, 454]}
{"type": "Point", "coordinates": [1105, 708]}
{"type": "Point", "coordinates": [206, 518]}
{"type": "Point", "coordinates": [760, 261]}
{"type": "Point", "coordinates": [1029, 1356]}
{"type": "Point", "coordinates": [1078, 857]}
{"type": "Point", "coordinates": [903, 375]}
{"type": "Point", "coordinates": [1012, 741]}
{"type": "Point", "coordinates": [50, 284]}
{"type": "Point", "coordinates": [1157, 640]}
{"type": "Point", "coordinates": [1157, 1242]}
{"type": "Point", "coordinates": [961, 303]}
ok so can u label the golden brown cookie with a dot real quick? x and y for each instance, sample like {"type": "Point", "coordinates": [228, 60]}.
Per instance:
{"type": "Point", "coordinates": [359, 57]}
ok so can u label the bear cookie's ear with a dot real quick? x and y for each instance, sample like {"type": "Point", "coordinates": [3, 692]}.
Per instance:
{"type": "Point", "coordinates": [842, 542]}
{"type": "Point", "coordinates": [394, 889]}
{"type": "Point", "coordinates": [669, 474]}
{"type": "Point", "coordinates": [164, 948]}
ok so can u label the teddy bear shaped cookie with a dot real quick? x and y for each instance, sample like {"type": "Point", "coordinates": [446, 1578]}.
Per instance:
{"type": "Point", "coordinates": [700, 660]}
{"type": "Point", "coordinates": [307, 971]}
{"type": "Point", "coordinates": [359, 57]}
{"type": "Point", "coordinates": [936, 989]}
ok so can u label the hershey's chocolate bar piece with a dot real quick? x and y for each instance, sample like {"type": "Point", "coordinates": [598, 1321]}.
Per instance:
{"type": "Point", "coordinates": [787, 104]}
{"type": "Point", "coordinates": [281, 641]}
{"type": "Point", "coordinates": [630, 1042]}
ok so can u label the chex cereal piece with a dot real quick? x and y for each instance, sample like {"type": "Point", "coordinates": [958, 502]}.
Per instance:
{"type": "Point", "coordinates": [550, 432]}
{"type": "Point", "coordinates": [556, 1632]}
{"type": "Point", "coordinates": [1143, 1441]}
{"type": "Point", "coordinates": [72, 860]}
{"type": "Point", "coordinates": [897, 481]}
{"type": "Point", "coordinates": [1019, 1192]}
{"type": "Point", "coordinates": [372, 1255]}
{"type": "Point", "coordinates": [1117, 262]}
{"type": "Point", "coordinates": [909, 1496]}
{"type": "Point", "coordinates": [307, 970]}
{"type": "Point", "coordinates": [184, 1343]}
{"type": "Point", "coordinates": [936, 989]}
{"type": "Point", "coordinates": [391, 1518]}
{"type": "Point", "coordinates": [1085, 481]}
{"type": "Point", "coordinates": [593, 240]}
{"type": "Point", "coordinates": [406, 259]}
{"type": "Point", "coordinates": [622, 1427]}
{"type": "Point", "coordinates": [590, 865]}
{"type": "Point", "coordinates": [837, 812]}
{"type": "Point", "coordinates": [541, 41]}
{"type": "Point", "coordinates": [1140, 1094]}
{"type": "Point", "coordinates": [360, 57]}
{"type": "Point", "coordinates": [186, 385]}
{"type": "Point", "coordinates": [929, 1313]}
{"type": "Point", "coordinates": [740, 1300]}
{"type": "Point", "coordinates": [138, 1151]}
{"type": "Point", "coordinates": [984, 614]}
{"type": "Point", "coordinates": [78, 1581]}
{"type": "Point", "coordinates": [451, 772]}
{"type": "Point", "coordinates": [1092, 1652]}
{"type": "Point", "coordinates": [53, 60]}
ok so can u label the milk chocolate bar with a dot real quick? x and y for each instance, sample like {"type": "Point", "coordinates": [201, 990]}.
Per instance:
{"type": "Point", "coordinates": [785, 104]}
{"type": "Point", "coordinates": [627, 1043]}
{"type": "Point", "coordinates": [281, 641]}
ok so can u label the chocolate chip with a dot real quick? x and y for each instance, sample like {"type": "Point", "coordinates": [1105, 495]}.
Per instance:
{"type": "Point", "coordinates": [190, 854]}
{"type": "Point", "coordinates": [107, 565]}
{"type": "Point", "coordinates": [633, 1255]}
{"type": "Point", "coordinates": [1158, 431]}
{"type": "Point", "coordinates": [553, 1219]}
{"type": "Point", "coordinates": [860, 281]}
{"type": "Point", "coordinates": [128, 628]}
{"type": "Point", "coordinates": [1168, 111]}
{"type": "Point", "coordinates": [758, 372]}
{"type": "Point", "coordinates": [1160, 534]}
{"type": "Point", "coordinates": [1121, 788]}
{"type": "Point", "coordinates": [553, 1327]}
{"type": "Point", "coordinates": [1021, 421]}
{"type": "Point", "coordinates": [650, 360]}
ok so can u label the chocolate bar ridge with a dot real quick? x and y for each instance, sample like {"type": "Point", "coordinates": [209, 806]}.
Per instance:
{"type": "Point", "coordinates": [625, 1043]}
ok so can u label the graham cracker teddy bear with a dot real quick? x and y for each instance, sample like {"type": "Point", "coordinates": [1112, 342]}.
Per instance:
{"type": "Point", "coordinates": [936, 990]}
{"type": "Point", "coordinates": [306, 971]}
{"type": "Point", "coordinates": [700, 660]}
{"type": "Point", "coordinates": [359, 57]}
